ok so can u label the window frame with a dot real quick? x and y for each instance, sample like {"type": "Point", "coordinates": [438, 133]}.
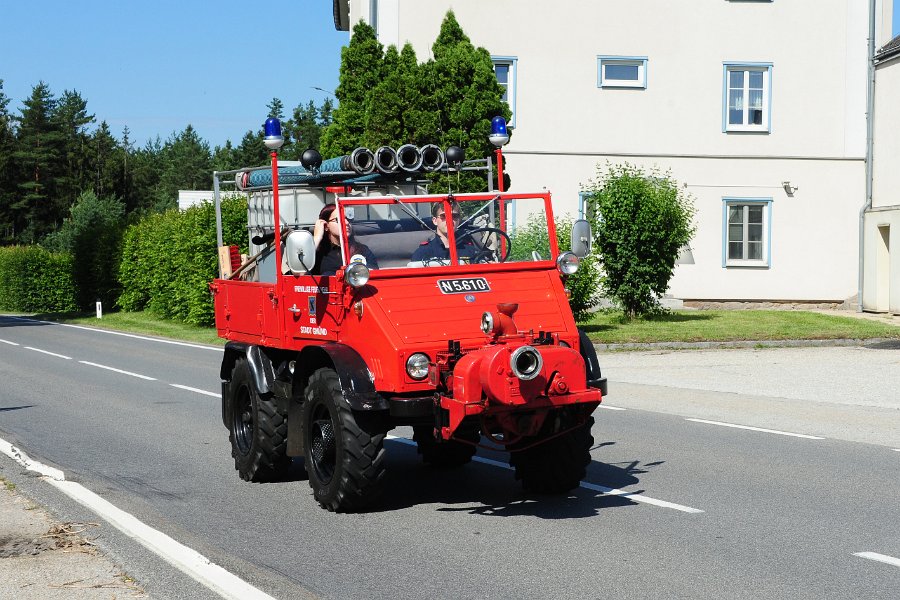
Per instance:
{"type": "Point", "coordinates": [512, 63]}
{"type": "Point", "coordinates": [639, 84]}
{"type": "Point", "coordinates": [746, 67]}
{"type": "Point", "coordinates": [766, 261]}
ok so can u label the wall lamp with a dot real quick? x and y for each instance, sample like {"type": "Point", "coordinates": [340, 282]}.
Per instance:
{"type": "Point", "coordinates": [789, 189]}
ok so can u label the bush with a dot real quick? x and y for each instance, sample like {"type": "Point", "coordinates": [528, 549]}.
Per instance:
{"type": "Point", "coordinates": [584, 284]}
{"type": "Point", "coordinates": [33, 279]}
{"type": "Point", "coordinates": [93, 235]}
{"type": "Point", "coordinates": [640, 225]}
{"type": "Point", "coordinates": [168, 260]}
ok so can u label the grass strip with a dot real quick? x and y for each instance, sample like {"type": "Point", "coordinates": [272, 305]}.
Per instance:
{"type": "Point", "coordinates": [733, 325]}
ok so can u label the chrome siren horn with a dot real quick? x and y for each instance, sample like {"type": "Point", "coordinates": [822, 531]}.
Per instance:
{"type": "Point", "coordinates": [409, 158]}
{"type": "Point", "coordinates": [361, 161]}
{"type": "Point", "coordinates": [432, 158]}
{"type": "Point", "coordinates": [386, 160]}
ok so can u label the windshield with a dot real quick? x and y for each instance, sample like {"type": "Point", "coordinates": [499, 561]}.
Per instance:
{"type": "Point", "coordinates": [415, 232]}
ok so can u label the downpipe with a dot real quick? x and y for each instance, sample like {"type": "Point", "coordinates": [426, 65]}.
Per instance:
{"type": "Point", "coordinates": [870, 141]}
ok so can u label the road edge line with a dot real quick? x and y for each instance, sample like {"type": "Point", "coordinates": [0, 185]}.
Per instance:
{"type": "Point", "coordinates": [185, 559]}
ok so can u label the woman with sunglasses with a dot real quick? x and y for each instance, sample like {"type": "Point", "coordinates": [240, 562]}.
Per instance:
{"type": "Point", "coordinates": [327, 236]}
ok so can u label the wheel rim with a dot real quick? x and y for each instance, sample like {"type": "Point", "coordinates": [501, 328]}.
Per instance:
{"type": "Point", "coordinates": [243, 420]}
{"type": "Point", "coordinates": [322, 444]}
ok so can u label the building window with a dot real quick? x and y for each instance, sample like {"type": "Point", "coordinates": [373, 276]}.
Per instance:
{"type": "Point", "coordinates": [747, 104]}
{"type": "Point", "coordinates": [622, 71]}
{"type": "Point", "coordinates": [747, 232]}
{"type": "Point", "coordinates": [505, 70]}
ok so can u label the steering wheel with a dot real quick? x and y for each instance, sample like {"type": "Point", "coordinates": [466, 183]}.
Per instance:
{"type": "Point", "coordinates": [499, 253]}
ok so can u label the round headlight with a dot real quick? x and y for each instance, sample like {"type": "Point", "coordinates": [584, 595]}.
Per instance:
{"type": "Point", "coordinates": [487, 323]}
{"type": "Point", "coordinates": [417, 365]}
{"type": "Point", "coordinates": [526, 363]}
{"type": "Point", "coordinates": [357, 275]}
{"type": "Point", "coordinates": [567, 263]}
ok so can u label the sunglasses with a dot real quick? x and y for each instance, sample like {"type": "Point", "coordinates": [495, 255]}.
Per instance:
{"type": "Point", "coordinates": [456, 216]}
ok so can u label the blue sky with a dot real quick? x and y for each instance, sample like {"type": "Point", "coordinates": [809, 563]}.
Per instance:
{"type": "Point", "coordinates": [158, 66]}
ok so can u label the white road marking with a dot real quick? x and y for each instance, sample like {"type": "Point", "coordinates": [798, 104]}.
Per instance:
{"type": "Point", "coordinates": [879, 557]}
{"type": "Point", "coordinates": [123, 334]}
{"type": "Point", "coordinates": [190, 389]}
{"type": "Point", "coordinates": [639, 498]}
{"type": "Point", "coordinates": [84, 362]}
{"type": "Point", "coordinates": [50, 353]}
{"type": "Point", "coordinates": [608, 407]}
{"type": "Point", "coordinates": [588, 486]}
{"type": "Point", "coordinates": [8, 342]}
{"type": "Point", "coordinates": [185, 559]}
{"type": "Point", "coordinates": [799, 435]}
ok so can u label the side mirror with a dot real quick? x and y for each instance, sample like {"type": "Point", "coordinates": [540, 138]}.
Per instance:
{"type": "Point", "coordinates": [300, 251]}
{"type": "Point", "coordinates": [581, 238]}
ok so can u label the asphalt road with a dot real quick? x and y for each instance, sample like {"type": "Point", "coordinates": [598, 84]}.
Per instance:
{"type": "Point", "coordinates": [715, 511]}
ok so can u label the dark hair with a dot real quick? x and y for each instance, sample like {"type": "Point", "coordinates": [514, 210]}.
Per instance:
{"type": "Point", "coordinates": [325, 245]}
{"type": "Point", "coordinates": [437, 207]}
{"type": "Point", "coordinates": [326, 211]}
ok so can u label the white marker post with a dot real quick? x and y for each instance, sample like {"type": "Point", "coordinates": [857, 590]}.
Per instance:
{"type": "Point", "coordinates": [99, 310]}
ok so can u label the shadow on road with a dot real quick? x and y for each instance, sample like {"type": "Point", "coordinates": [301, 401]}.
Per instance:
{"type": "Point", "coordinates": [30, 321]}
{"type": "Point", "coordinates": [9, 408]}
{"type": "Point", "coordinates": [489, 490]}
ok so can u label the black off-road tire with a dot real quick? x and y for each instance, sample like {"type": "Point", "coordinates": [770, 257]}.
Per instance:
{"type": "Point", "coordinates": [257, 430]}
{"type": "Point", "coordinates": [556, 466]}
{"type": "Point", "coordinates": [344, 449]}
{"type": "Point", "coordinates": [445, 454]}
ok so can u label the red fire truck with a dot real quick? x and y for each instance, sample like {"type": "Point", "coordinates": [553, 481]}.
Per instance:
{"type": "Point", "coordinates": [474, 347]}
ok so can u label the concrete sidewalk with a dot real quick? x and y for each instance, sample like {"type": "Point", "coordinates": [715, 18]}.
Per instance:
{"type": "Point", "coordinates": [42, 558]}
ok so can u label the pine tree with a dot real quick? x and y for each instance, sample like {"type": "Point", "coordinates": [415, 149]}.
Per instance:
{"type": "Point", "coordinates": [38, 150]}
{"type": "Point", "coordinates": [70, 118]}
{"type": "Point", "coordinates": [146, 172]}
{"type": "Point", "coordinates": [224, 158]}
{"type": "Point", "coordinates": [252, 152]}
{"type": "Point", "coordinates": [101, 159]}
{"type": "Point", "coordinates": [186, 165]}
{"type": "Point", "coordinates": [465, 94]}
{"type": "Point", "coordinates": [383, 123]}
{"type": "Point", "coordinates": [7, 168]}
{"type": "Point", "coordinates": [361, 70]}
{"type": "Point", "coordinates": [305, 130]}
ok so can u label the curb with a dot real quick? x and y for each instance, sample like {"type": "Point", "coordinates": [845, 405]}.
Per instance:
{"type": "Point", "coordinates": [885, 343]}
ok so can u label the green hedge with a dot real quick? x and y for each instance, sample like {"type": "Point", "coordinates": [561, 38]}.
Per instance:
{"type": "Point", "coordinates": [33, 279]}
{"type": "Point", "coordinates": [168, 260]}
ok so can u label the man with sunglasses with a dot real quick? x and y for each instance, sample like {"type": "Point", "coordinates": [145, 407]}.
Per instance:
{"type": "Point", "coordinates": [438, 247]}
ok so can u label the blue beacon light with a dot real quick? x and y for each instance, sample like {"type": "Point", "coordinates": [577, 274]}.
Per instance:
{"type": "Point", "coordinates": [273, 138]}
{"type": "Point", "coordinates": [499, 136]}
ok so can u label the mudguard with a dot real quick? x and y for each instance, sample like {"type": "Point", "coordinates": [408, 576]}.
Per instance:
{"type": "Point", "coordinates": [591, 364]}
{"type": "Point", "coordinates": [357, 386]}
{"type": "Point", "coordinates": [260, 370]}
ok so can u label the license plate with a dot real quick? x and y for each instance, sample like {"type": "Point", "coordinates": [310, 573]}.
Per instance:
{"type": "Point", "coordinates": [463, 285]}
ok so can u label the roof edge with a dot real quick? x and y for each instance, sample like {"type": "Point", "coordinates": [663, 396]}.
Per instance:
{"type": "Point", "coordinates": [341, 11]}
{"type": "Point", "coordinates": [889, 50]}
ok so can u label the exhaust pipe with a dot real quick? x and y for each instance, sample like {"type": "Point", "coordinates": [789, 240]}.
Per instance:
{"type": "Point", "coordinates": [361, 161]}
{"type": "Point", "coordinates": [432, 158]}
{"type": "Point", "coordinates": [409, 158]}
{"type": "Point", "coordinates": [386, 160]}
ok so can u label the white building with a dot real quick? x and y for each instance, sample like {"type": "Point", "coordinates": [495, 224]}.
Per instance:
{"type": "Point", "coordinates": [881, 272]}
{"type": "Point", "coordinates": [757, 106]}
